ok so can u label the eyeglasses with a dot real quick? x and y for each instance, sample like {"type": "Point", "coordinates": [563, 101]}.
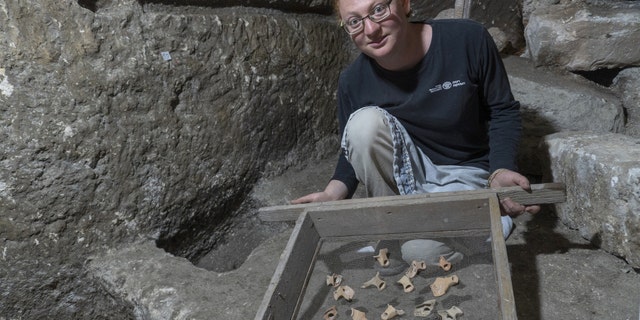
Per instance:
{"type": "Point", "coordinates": [380, 12]}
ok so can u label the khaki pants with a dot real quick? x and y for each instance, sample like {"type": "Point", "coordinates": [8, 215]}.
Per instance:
{"type": "Point", "coordinates": [387, 162]}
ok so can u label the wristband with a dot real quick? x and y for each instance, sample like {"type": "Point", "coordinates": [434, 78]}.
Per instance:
{"type": "Point", "coordinates": [493, 175]}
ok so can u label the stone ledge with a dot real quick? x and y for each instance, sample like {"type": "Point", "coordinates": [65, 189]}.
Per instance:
{"type": "Point", "coordinates": [162, 286]}
{"type": "Point", "coordinates": [555, 101]}
{"type": "Point", "coordinates": [602, 177]}
{"type": "Point", "coordinates": [583, 37]}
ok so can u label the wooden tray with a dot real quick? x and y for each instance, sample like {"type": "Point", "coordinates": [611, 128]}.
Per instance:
{"type": "Point", "coordinates": [453, 214]}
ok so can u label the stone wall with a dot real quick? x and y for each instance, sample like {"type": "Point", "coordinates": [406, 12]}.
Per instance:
{"type": "Point", "coordinates": [106, 141]}
{"type": "Point", "coordinates": [595, 39]}
{"type": "Point", "coordinates": [555, 101]}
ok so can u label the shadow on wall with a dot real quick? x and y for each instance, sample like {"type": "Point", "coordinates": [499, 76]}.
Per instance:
{"type": "Point", "coordinates": [603, 77]}
{"type": "Point", "coordinates": [530, 154]}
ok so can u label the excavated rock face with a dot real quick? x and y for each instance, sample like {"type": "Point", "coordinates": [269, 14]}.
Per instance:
{"type": "Point", "coordinates": [502, 18]}
{"type": "Point", "coordinates": [580, 36]}
{"type": "Point", "coordinates": [555, 101]}
{"type": "Point", "coordinates": [145, 121]}
{"type": "Point", "coordinates": [602, 174]}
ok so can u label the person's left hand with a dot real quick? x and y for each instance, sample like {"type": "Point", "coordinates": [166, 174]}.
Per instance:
{"type": "Point", "coordinates": [508, 178]}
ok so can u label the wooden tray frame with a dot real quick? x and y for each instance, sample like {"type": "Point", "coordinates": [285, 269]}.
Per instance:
{"type": "Point", "coordinates": [452, 214]}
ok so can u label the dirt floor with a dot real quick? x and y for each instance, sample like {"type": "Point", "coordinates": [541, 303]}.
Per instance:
{"type": "Point", "coordinates": [555, 273]}
{"type": "Point", "coordinates": [475, 275]}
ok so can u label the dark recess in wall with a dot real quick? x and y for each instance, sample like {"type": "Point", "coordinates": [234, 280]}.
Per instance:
{"type": "Point", "coordinates": [602, 77]}
{"type": "Point", "coordinates": [88, 4]}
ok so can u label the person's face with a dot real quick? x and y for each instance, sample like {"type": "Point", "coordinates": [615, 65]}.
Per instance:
{"type": "Point", "coordinates": [376, 39]}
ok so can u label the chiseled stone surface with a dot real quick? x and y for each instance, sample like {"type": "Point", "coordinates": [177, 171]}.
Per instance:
{"type": "Point", "coordinates": [105, 140]}
{"type": "Point", "coordinates": [602, 176]}
{"type": "Point", "coordinates": [554, 101]}
{"type": "Point", "coordinates": [585, 36]}
{"type": "Point", "coordinates": [292, 6]}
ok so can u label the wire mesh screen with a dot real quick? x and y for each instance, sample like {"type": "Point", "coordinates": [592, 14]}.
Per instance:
{"type": "Point", "coordinates": [353, 264]}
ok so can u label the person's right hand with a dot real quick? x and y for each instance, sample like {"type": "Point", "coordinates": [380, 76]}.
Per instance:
{"type": "Point", "coordinates": [508, 178]}
{"type": "Point", "coordinates": [335, 190]}
{"type": "Point", "coordinates": [313, 197]}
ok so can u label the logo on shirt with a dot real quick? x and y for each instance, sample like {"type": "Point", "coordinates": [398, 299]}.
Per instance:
{"type": "Point", "coordinates": [447, 85]}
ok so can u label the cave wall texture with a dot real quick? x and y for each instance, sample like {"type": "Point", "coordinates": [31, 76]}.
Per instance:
{"type": "Point", "coordinates": [104, 141]}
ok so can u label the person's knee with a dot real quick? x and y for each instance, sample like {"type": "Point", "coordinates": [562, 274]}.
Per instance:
{"type": "Point", "coordinates": [366, 126]}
